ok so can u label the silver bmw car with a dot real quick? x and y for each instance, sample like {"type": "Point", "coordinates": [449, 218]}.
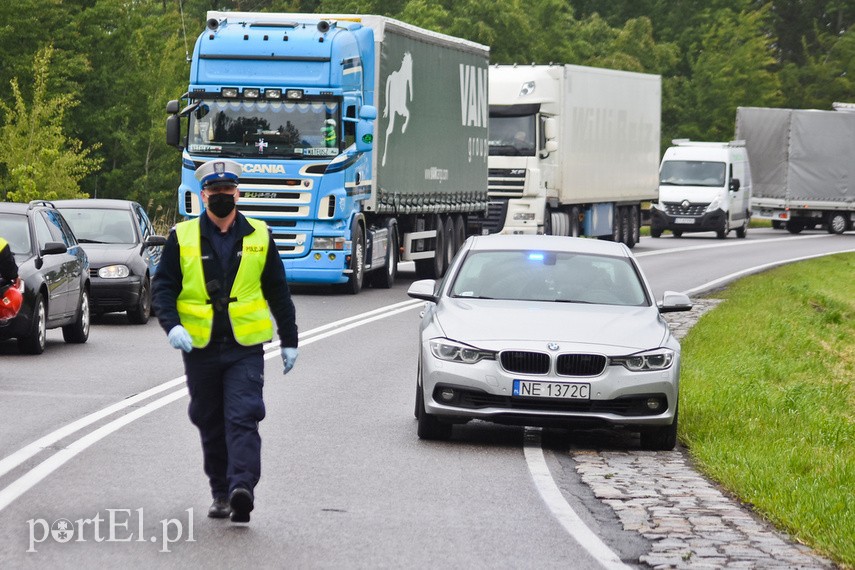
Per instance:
{"type": "Point", "coordinates": [549, 331]}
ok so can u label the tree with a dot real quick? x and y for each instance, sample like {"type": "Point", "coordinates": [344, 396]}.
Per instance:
{"type": "Point", "coordinates": [40, 161]}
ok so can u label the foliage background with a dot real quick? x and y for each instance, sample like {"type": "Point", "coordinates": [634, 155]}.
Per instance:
{"type": "Point", "coordinates": [107, 68]}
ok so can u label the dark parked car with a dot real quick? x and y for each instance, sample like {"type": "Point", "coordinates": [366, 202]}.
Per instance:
{"type": "Point", "coordinates": [55, 272]}
{"type": "Point", "coordinates": [123, 253]}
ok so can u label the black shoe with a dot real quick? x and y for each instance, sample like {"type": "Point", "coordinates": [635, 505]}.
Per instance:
{"type": "Point", "coordinates": [242, 503]}
{"type": "Point", "coordinates": [219, 509]}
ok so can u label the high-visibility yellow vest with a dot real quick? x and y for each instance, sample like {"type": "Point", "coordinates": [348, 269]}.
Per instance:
{"type": "Point", "coordinates": [3, 244]}
{"type": "Point", "coordinates": [249, 313]}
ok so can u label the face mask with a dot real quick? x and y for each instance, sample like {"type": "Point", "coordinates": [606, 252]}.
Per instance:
{"type": "Point", "coordinates": [221, 205]}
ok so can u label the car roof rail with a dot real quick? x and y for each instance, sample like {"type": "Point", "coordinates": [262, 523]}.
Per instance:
{"type": "Point", "coordinates": [34, 203]}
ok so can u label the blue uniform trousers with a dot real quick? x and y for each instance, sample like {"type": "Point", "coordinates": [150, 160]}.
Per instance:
{"type": "Point", "coordinates": [226, 381]}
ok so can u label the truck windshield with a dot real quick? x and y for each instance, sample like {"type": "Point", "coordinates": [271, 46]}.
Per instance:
{"type": "Point", "coordinates": [512, 136]}
{"type": "Point", "coordinates": [692, 173]}
{"type": "Point", "coordinates": [264, 128]}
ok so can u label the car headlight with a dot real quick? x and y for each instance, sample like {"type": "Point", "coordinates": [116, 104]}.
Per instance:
{"type": "Point", "coordinates": [658, 359]}
{"type": "Point", "coordinates": [452, 351]}
{"type": "Point", "coordinates": [114, 272]}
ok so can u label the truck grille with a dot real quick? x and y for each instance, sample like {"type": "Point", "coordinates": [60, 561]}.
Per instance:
{"type": "Point", "coordinates": [492, 222]}
{"type": "Point", "coordinates": [508, 182]}
{"type": "Point", "coordinates": [677, 209]}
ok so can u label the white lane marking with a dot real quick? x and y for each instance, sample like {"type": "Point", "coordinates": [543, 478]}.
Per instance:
{"type": "Point", "coordinates": [757, 269]}
{"type": "Point", "coordinates": [731, 243]}
{"type": "Point", "coordinates": [560, 508]}
{"type": "Point", "coordinates": [35, 475]}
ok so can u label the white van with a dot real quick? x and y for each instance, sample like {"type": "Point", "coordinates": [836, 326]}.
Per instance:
{"type": "Point", "coordinates": [703, 187]}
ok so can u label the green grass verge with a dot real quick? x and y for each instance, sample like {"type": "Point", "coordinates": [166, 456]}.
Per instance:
{"type": "Point", "coordinates": [767, 402]}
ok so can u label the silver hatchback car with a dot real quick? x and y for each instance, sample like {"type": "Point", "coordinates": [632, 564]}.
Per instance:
{"type": "Point", "coordinates": [547, 330]}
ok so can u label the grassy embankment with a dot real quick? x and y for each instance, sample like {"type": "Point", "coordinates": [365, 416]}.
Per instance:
{"type": "Point", "coordinates": [767, 404]}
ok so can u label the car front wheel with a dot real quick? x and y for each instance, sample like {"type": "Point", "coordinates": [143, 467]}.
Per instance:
{"type": "Point", "coordinates": [139, 315]}
{"type": "Point", "coordinates": [662, 438]}
{"type": "Point", "coordinates": [78, 331]}
{"type": "Point", "coordinates": [429, 427]}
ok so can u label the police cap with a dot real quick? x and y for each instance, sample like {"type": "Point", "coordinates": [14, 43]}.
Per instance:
{"type": "Point", "coordinates": [219, 172]}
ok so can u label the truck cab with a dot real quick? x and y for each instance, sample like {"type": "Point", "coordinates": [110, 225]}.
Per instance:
{"type": "Point", "coordinates": [703, 187]}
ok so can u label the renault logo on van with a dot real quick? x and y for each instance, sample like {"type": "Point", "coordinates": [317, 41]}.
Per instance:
{"type": "Point", "coordinates": [685, 203]}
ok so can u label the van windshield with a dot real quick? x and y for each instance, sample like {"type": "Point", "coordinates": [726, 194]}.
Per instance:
{"type": "Point", "coordinates": [692, 173]}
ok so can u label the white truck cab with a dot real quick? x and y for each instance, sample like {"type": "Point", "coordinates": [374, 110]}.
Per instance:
{"type": "Point", "coordinates": [703, 187]}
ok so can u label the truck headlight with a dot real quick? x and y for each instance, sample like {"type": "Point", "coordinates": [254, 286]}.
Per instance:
{"type": "Point", "coordinates": [524, 216]}
{"type": "Point", "coordinates": [328, 243]}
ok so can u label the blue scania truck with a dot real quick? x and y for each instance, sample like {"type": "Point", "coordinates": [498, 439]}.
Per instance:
{"type": "Point", "coordinates": [363, 139]}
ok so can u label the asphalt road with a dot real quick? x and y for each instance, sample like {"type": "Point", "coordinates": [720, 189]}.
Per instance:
{"type": "Point", "coordinates": [97, 435]}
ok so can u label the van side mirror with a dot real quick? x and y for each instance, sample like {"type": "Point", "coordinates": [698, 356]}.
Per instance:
{"type": "Point", "coordinates": [734, 185]}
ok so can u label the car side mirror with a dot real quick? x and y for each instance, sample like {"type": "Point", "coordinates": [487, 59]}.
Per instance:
{"type": "Point", "coordinates": [735, 185]}
{"type": "Point", "coordinates": [154, 241]}
{"type": "Point", "coordinates": [673, 302]}
{"type": "Point", "coordinates": [423, 289]}
{"type": "Point", "coordinates": [53, 248]}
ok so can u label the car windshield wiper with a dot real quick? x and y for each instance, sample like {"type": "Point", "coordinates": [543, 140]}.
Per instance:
{"type": "Point", "coordinates": [471, 297]}
{"type": "Point", "coordinates": [87, 240]}
{"type": "Point", "coordinates": [573, 301]}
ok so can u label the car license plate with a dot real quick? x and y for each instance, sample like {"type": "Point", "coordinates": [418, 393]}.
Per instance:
{"type": "Point", "coordinates": [684, 221]}
{"type": "Point", "coordinates": [562, 390]}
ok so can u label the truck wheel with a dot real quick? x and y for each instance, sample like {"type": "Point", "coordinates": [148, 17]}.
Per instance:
{"type": "Point", "coordinates": [459, 232]}
{"type": "Point", "coordinates": [357, 263]}
{"type": "Point", "coordinates": [627, 235]}
{"type": "Point", "coordinates": [575, 224]}
{"type": "Point", "coordinates": [450, 240]}
{"type": "Point", "coordinates": [794, 226]}
{"type": "Point", "coordinates": [434, 268]}
{"type": "Point", "coordinates": [836, 223]}
{"type": "Point", "coordinates": [547, 222]}
{"type": "Point", "coordinates": [385, 278]}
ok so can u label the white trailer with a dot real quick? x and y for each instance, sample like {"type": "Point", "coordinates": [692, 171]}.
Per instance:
{"type": "Point", "coordinates": [803, 165]}
{"type": "Point", "coordinates": [573, 150]}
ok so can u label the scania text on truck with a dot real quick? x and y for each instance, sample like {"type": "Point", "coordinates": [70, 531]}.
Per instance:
{"type": "Point", "coordinates": [703, 187]}
{"type": "Point", "coordinates": [573, 151]}
{"type": "Point", "coordinates": [803, 162]}
{"type": "Point", "coordinates": [363, 139]}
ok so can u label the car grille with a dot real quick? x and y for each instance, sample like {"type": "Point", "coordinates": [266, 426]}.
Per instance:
{"type": "Point", "coordinates": [626, 406]}
{"type": "Point", "coordinates": [580, 364]}
{"type": "Point", "coordinates": [524, 362]}
{"type": "Point", "coordinates": [677, 209]}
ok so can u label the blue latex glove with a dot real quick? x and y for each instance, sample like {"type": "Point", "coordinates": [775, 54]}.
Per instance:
{"type": "Point", "coordinates": [180, 338]}
{"type": "Point", "coordinates": [289, 357]}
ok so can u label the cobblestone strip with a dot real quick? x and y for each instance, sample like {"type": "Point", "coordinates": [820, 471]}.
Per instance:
{"type": "Point", "coordinates": [690, 523]}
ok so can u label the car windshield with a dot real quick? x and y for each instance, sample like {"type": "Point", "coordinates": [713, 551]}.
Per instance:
{"type": "Point", "coordinates": [92, 225]}
{"type": "Point", "coordinates": [549, 276]}
{"type": "Point", "coordinates": [265, 128]}
{"type": "Point", "coordinates": [692, 173]}
{"type": "Point", "coordinates": [15, 230]}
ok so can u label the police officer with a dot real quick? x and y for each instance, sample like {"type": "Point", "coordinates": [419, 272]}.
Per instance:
{"type": "Point", "coordinates": [8, 267]}
{"type": "Point", "coordinates": [219, 279]}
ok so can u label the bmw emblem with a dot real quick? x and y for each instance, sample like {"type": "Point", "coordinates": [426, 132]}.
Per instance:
{"type": "Point", "coordinates": [552, 346]}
